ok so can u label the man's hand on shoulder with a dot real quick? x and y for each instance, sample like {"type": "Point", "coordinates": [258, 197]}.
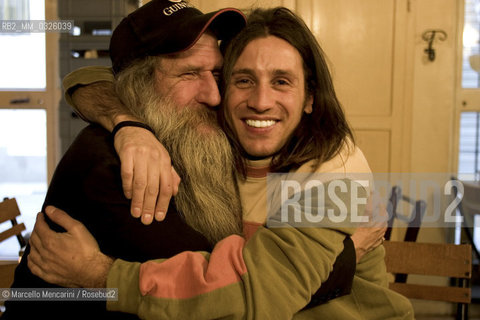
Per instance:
{"type": "Point", "coordinates": [148, 177]}
{"type": "Point", "coordinates": [68, 259]}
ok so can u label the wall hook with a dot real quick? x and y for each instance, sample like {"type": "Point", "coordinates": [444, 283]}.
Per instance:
{"type": "Point", "coordinates": [429, 36]}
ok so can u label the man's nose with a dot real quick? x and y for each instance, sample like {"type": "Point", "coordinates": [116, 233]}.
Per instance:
{"type": "Point", "coordinates": [209, 94]}
{"type": "Point", "coordinates": [261, 98]}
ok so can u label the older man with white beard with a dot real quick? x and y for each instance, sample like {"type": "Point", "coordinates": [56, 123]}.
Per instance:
{"type": "Point", "coordinates": [207, 197]}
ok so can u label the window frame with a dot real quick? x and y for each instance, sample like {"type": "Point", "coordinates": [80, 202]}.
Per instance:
{"type": "Point", "coordinates": [466, 99]}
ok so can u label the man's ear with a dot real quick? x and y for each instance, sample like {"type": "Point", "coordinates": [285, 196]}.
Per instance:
{"type": "Point", "coordinates": [308, 104]}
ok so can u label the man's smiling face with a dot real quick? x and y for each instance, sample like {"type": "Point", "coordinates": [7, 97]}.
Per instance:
{"type": "Point", "coordinates": [265, 97]}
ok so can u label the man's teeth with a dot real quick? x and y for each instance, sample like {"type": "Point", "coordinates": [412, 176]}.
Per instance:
{"type": "Point", "coordinates": [260, 123]}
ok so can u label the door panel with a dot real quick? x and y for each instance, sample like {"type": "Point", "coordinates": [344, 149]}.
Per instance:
{"type": "Point", "coordinates": [364, 41]}
{"type": "Point", "coordinates": [375, 144]}
{"type": "Point", "coordinates": [357, 37]}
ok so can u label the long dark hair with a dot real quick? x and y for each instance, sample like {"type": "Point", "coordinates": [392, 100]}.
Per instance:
{"type": "Point", "coordinates": [319, 135]}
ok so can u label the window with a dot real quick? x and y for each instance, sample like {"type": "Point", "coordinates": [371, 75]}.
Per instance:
{"type": "Point", "coordinates": [469, 148]}
{"type": "Point", "coordinates": [25, 105]}
{"type": "Point", "coordinates": [23, 159]}
{"type": "Point", "coordinates": [469, 112]}
{"type": "Point", "coordinates": [468, 105]}
{"type": "Point", "coordinates": [22, 58]}
{"type": "Point", "coordinates": [471, 52]}
{"type": "Point", "coordinates": [15, 10]}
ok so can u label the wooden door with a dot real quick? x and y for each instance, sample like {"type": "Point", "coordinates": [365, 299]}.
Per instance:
{"type": "Point", "coordinates": [365, 44]}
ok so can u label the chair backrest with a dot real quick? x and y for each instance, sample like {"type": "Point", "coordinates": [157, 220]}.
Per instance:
{"type": "Point", "coordinates": [9, 211]}
{"type": "Point", "coordinates": [471, 197]}
{"type": "Point", "coordinates": [468, 207]}
{"type": "Point", "coordinates": [432, 259]}
{"type": "Point", "coordinates": [414, 220]}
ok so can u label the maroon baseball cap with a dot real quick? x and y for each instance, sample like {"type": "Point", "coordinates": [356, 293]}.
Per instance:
{"type": "Point", "coordinates": [168, 26]}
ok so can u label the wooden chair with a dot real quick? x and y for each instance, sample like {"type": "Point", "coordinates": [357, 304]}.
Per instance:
{"type": "Point", "coordinates": [468, 207]}
{"type": "Point", "coordinates": [9, 211]}
{"type": "Point", "coordinates": [414, 220]}
{"type": "Point", "coordinates": [432, 259]}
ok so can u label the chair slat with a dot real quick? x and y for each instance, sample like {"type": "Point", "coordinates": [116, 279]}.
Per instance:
{"type": "Point", "coordinates": [6, 274]}
{"type": "Point", "coordinates": [8, 210]}
{"type": "Point", "coordinates": [13, 231]}
{"type": "Point", "coordinates": [436, 293]}
{"type": "Point", "coordinates": [448, 260]}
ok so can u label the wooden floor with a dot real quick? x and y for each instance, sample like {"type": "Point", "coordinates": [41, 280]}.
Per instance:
{"type": "Point", "coordinates": [443, 318]}
{"type": "Point", "coordinates": [473, 313]}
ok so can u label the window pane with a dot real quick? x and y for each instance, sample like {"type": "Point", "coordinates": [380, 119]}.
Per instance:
{"type": "Point", "coordinates": [22, 57]}
{"type": "Point", "coordinates": [23, 150]}
{"type": "Point", "coordinates": [471, 52]}
{"type": "Point", "coordinates": [469, 146]}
